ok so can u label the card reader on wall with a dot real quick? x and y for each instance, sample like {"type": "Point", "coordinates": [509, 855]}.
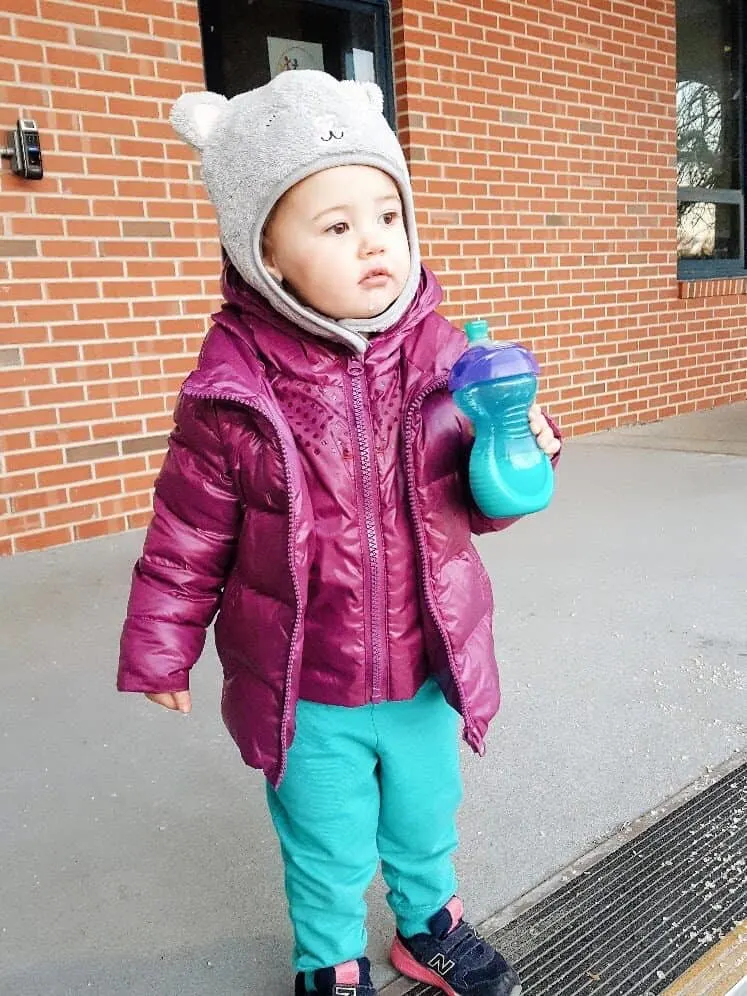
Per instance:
{"type": "Point", "coordinates": [24, 150]}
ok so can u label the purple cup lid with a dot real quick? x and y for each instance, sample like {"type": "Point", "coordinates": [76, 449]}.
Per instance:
{"type": "Point", "coordinates": [491, 361]}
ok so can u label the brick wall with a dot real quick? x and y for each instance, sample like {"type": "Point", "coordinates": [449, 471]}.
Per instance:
{"type": "Point", "coordinates": [542, 143]}
{"type": "Point", "coordinates": [108, 266]}
{"type": "Point", "coordinates": [541, 139]}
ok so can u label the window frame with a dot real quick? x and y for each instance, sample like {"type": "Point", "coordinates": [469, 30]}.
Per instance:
{"type": "Point", "coordinates": [700, 269]}
{"type": "Point", "coordinates": [210, 29]}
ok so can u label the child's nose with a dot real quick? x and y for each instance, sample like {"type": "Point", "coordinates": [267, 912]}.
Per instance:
{"type": "Point", "coordinates": [372, 242]}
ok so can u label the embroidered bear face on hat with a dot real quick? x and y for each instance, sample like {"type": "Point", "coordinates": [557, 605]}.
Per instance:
{"type": "Point", "coordinates": [257, 145]}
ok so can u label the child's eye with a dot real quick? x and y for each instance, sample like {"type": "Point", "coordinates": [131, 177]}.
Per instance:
{"type": "Point", "coordinates": [338, 229]}
{"type": "Point", "coordinates": [390, 217]}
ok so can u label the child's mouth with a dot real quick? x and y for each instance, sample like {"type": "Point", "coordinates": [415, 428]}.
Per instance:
{"type": "Point", "coordinates": [375, 278]}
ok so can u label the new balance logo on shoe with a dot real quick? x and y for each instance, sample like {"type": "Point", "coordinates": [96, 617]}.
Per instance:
{"type": "Point", "coordinates": [441, 964]}
{"type": "Point", "coordinates": [344, 991]}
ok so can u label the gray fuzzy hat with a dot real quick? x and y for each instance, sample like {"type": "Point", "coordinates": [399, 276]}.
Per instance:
{"type": "Point", "coordinates": [257, 145]}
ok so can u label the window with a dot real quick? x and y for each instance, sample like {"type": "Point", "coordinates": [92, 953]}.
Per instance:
{"type": "Point", "coordinates": [247, 42]}
{"type": "Point", "coordinates": [710, 137]}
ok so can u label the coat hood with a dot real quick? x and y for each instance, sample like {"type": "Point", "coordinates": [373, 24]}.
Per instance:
{"type": "Point", "coordinates": [228, 364]}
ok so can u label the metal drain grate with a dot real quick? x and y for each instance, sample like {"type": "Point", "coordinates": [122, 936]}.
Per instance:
{"type": "Point", "coordinates": [634, 922]}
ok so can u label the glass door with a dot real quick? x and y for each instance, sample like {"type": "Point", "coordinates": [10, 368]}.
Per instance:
{"type": "Point", "coordinates": [248, 42]}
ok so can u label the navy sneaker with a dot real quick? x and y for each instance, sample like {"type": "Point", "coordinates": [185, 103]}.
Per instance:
{"type": "Point", "coordinates": [453, 958]}
{"type": "Point", "coordinates": [352, 978]}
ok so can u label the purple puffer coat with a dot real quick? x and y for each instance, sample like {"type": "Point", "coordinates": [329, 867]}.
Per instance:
{"type": "Point", "coordinates": [234, 528]}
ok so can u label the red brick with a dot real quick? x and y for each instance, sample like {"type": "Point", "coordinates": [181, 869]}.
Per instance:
{"type": "Point", "coordinates": [68, 249]}
{"type": "Point", "coordinates": [61, 437]}
{"type": "Point", "coordinates": [28, 418]}
{"type": "Point", "coordinates": [57, 476]}
{"type": "Point", "coordinates": [48, 77]}
{"type": "Point", "coordinates": [72, 290]}
{"type": "Point", "coordinates": [34, 500]}
{"type": "Point", "coordinates": [94, 411]}
{"type": "Point", "coordinates": [41, 30]}
{"type": "Point", "coordinates": [39, 269]}
{"type": "Point", "coordinates": [128, 467]}
{"type": "Point", "coordinates": [109, 430]}
{"type": "Point", "coordinates": [65, 12]}
{"type": "Point", "coordinates": [69, 514]}
{"type": "Point", "coordinates": [100, 527]}
{"type": "Point", "coordinates": [15, 462]}
{"type": "Point", "coordinates": [77, 100]}
{"type": "Point", "coordinates": [94, 490]}
{"type": "Point", "coordinates": [96, 268]}
{"type": "Point", "coordinates": [101, 309]}
{"type": "Point", "coordinates": [107, 125]}
{"type": "Point", "coordinates": [124, 22]}
{"type": "Point", "coordinates": [140, 520]}
{"type": "Point", "coordinates": [11, 442]}
{"type": "Point", "coordinates": [41, 540]}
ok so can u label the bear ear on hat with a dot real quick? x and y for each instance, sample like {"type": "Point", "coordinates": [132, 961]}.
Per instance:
{"type": "Point", "coordinates": [194, 116]}
{"type": "Point", "coordinates": [367, 93]}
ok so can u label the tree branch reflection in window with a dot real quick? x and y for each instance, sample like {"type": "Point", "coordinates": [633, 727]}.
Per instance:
{"type": "Point", "coordinates": [700, 157]}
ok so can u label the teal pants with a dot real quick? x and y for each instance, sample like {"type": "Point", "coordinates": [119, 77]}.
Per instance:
{"type": "Point", "coordinates": [376, 782]}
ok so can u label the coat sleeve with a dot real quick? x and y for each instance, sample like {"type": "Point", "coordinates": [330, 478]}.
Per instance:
{"type": "Point", "coordinates": [481, 523]}
{"type": "Point", "coordinates": [178, 580]}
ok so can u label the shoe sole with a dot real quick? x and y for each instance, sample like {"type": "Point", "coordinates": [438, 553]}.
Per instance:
{"type": "Point", "coordinates": [404, 962]}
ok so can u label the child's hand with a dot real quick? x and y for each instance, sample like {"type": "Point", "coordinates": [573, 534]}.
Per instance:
{"type": "Point", "coordinates": [178, 701]}
{"type": "Point", "coordinates": [541, 428]}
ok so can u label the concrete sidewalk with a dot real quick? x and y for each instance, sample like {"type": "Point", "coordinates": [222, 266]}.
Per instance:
{"type": "Point", "coordinates": [138, 857]}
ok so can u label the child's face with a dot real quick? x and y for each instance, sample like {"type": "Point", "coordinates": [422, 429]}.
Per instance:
{"type": "Point", "coordinates": [338, 240]}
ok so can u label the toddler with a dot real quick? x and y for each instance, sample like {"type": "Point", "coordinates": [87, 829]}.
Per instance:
{"type": "Point", "coordinates": [314, 498]}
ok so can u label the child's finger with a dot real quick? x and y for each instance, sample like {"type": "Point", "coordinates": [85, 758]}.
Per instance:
{"type": "Point", "coordinates": [165, 699]}
{"type": "Point", "coordinates": [544, 439]}
{"type": "Point", "coordinates": [550, 444]}
{"type": "Point", "coordinates": [176, 701]}
{"type": "Point", "coordinates": [183, 701]}
{"type": "Point", "coordinates": [538, 422]}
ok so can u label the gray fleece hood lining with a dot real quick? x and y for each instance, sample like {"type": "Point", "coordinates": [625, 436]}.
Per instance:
{"type": "Point", "coordinates": [361, 327]}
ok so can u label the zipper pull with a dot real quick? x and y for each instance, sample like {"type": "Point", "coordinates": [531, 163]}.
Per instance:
{"type": "Point", "coordinates": [475, 741]}
{"type": "Point", "coordinates": [355, 367]}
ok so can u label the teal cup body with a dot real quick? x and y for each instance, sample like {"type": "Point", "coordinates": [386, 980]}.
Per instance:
{"type": "Point", "coordinates": [495, 385]}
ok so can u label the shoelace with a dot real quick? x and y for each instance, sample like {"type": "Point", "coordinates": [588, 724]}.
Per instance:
{"type": "Point", "coordinates": [464, 942]}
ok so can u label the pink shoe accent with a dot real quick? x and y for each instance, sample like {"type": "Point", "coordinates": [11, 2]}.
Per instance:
{"type": "Point", "coordinates": [348, 972]}
{"type": "Point", "coordinates": [404, 962]}
{"type": "Point", "coordinates": [455, 906]}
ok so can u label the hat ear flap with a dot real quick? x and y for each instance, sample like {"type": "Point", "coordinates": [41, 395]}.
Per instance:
{"type": "Point", "coordinates": [375, 96]}
{"type": "Point", "coordinates": [194, 116]}
{"type": "Point", "coordinates": [367, 93]}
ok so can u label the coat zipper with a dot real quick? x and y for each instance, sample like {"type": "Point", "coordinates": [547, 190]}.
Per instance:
{"type": "Point", "coordinates": [374, 540]}
{"type": "Point", "coordinates": [471, 734]}
{"type": "Point", "coordinates": [294, 575]}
